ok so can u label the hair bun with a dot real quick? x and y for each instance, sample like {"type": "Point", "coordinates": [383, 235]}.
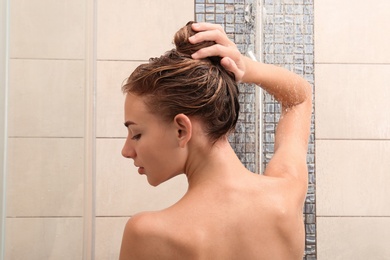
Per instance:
{"type": "Point", "coordinates": [183, 45]}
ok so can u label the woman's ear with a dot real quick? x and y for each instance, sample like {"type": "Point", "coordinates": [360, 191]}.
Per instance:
{"type": "Point", "coordinates": [183, 128]}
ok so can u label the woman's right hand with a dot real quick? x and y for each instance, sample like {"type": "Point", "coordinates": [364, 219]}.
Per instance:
{"type": "Point", "coordinates": [232, 60]}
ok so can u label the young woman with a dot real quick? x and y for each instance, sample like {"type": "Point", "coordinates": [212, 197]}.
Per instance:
{"type": "Point", "coordinates": [179, 110]}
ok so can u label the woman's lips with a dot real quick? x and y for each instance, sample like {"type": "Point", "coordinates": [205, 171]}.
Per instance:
{"type": "Point", "coordinates": [141, 170]}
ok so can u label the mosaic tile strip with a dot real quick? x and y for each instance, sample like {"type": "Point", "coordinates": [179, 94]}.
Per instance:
{"type": "Point", "coordinates": [236, 17]}
{"type": "Point", "coordinates": [288, 42]}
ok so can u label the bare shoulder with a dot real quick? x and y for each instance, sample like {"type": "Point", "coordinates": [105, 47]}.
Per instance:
{"type": "Point", "coordinates": [147, 236]}
{"type": "Point", "coordinates": [138, 230]}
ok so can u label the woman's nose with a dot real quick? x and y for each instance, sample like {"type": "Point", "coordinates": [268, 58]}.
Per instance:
{"type": "Point", "coordinates": [128, 151]}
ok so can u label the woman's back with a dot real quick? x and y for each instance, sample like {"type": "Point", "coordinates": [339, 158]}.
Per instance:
{"type": "Point", "coordinates": [235, 214]}
{"type": "Point", "coordinates": [248, 219]}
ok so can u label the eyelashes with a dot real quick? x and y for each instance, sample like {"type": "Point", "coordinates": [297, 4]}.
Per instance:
{"type": "Point", "coordinates": [136, 137]}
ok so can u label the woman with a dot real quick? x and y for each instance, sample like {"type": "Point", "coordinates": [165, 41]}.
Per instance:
{"type": "Point", "coordinates": [179, 110]}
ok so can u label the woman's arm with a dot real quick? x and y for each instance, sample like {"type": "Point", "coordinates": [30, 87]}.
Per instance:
{"type": "Point", "coordinates": [287, 87]}
{"type": "Point", "coordinates": [292, 91]}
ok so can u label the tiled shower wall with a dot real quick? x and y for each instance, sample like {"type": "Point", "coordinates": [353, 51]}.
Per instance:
{"type": "Point", "coordinates": [45, 185]}
{"type": "Point", "coordinates": [237, 18]}
{"type": "Point", "coordinates": [287, 40]}
{"type": "Point", "coordinates": [352, 65]}
{"type": "Point", "coordinates": [47, 193]}
{"type": "Point", "coordinates": [51, 197]}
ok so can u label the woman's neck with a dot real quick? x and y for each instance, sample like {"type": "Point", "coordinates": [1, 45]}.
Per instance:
{"type": "Point", "coordinates": [212, 163]}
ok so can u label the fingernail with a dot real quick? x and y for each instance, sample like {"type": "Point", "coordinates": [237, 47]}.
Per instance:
{"type": "Point", "coordinates": [195, 25]}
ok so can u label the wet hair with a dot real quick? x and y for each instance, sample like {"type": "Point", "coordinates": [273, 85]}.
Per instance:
{"type": "Point", "coordinates": [175, 83]}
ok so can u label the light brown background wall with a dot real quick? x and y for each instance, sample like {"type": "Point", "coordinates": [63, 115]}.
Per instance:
{"type": "Point", "coordinates": [46, 197]}
{"type": "Point", "coordinates": [352, 75]}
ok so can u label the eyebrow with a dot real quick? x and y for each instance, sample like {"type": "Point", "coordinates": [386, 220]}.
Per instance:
{"type": "Point", "coordinates": [128, 123]}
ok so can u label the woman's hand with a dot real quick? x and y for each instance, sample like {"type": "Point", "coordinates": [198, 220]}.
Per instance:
{"type": "Point", "coordinates": [232, 60]}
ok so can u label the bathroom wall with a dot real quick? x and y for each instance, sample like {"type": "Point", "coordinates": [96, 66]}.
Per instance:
{"type": "Point", "coordinates": [44, 198]}
{"type": "Point", "coordinates": [69, 196]}
{"type": "Point", "coordinates": [352, 75]}
{"type": "Point", "coordinates": [3, 117]}
{"type": "Point", "coordinates": [288, 41]}
{"type": "Point", "coordinates": [78, 63]}
{"type": "Point", "coordinates": [238, 18]}
{"type": "Point", "coordinates": [48, 181]}
{"type": "Point", "coordinates": [128, 33]}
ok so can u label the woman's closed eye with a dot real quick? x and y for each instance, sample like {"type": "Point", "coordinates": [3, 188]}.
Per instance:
{"type": "Point", "coordinates": [136, 137]}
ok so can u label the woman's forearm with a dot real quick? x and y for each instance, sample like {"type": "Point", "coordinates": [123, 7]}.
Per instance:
{"type": "Point", "coordinates": [287, 87]}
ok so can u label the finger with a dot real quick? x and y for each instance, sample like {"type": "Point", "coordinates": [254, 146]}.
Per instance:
{"type": "Point", "coordinates": [217, 50]}
{"type": "Point", "coordinates": [214, 50]}
{"type": "Point", "coordinates": [210, 35]}
{"type": "Point", "coordinates": [206, 26]}
{"type": "Point", "coordinates": [231, 66]}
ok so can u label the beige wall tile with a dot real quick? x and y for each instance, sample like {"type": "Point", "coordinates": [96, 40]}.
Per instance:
{"type": "Point", "coordinates": [353, 238]}
{"type": "Point", "coordinates": [138, 30]}
{"type": "Point", "coordinates": [44, 238]}
{"type": "Point", "coordinates": [47, 29]}
{"type": "Point", "coordinates": [352, 31]}
{"type": "Point", "coordinates": [108, 239]}
{"type": "Point", "coordinates": [45, 177]}
{"type": "Point", "coordinates": [46, 98]}
{"type": "Point", "coordinates": [121, 191]}
{"type": "Point", "coordinates": [110, 99]}
{"type": "Point", "coordinates": [353, 178]}
{"type": "Point", "coordinates": [352, 101]}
